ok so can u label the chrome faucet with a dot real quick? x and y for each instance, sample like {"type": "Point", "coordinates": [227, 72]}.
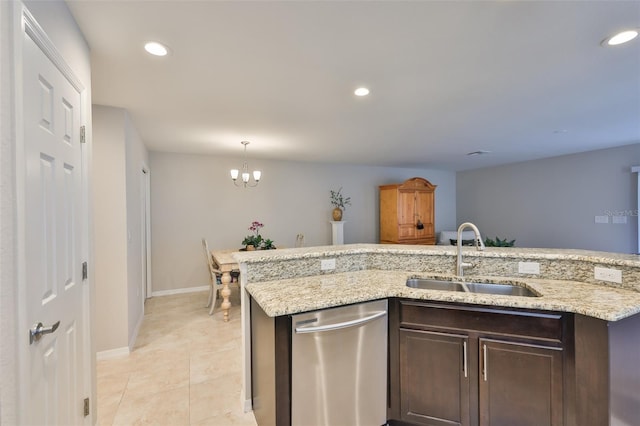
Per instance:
{"type": "Point", "coordinates": [460, 265]}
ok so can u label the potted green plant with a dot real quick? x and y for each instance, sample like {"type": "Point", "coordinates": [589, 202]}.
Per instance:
{"type": "Point", "coordinates": [339, 203]}
{"type": "Point", "coordinates": [498, 242]}
{"type": "Point", "coordinates": [268, 245]}
{"type": "Point", "coordinates": [255, 241]}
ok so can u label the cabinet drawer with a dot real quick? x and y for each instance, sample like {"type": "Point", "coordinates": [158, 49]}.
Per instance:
{"type": "Point", "coordinates": [407, 231]}
{"type": "Point", "coordinates": [529, 324]}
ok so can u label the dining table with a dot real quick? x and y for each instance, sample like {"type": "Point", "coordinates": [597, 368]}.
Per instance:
{"type": "Point", "coordinates": [226, 264]}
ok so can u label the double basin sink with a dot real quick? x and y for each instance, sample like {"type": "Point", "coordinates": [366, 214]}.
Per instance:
{"type": "Point", "coordinates": [471, 287]}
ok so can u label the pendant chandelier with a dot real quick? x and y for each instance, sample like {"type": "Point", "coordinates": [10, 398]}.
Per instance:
{"type": "Point", "coordinates": [245, 176]}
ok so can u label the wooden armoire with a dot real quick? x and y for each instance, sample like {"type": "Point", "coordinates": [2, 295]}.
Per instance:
{"type": "Point", "coordinates": [407, 212]}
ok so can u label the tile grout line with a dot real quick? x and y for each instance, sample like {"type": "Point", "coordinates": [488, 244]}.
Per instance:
{"type": "Point", "coordinates": [202, 334]}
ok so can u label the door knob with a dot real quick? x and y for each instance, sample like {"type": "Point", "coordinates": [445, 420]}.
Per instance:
{"type": "Point", "coordinates": [36, 332]}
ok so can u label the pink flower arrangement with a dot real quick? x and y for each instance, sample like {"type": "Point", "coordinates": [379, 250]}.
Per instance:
{"type": "Point", "coordinates": [255, 227]}
{"type": "Point", "coordinates": [256, 240]}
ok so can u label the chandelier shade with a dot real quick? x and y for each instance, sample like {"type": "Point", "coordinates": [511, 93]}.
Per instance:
{"type": "Point", "coordinates": [245, 175]}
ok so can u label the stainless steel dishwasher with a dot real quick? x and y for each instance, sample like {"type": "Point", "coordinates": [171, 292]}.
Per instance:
{"type": "Point", "coordinates": [339, 366]}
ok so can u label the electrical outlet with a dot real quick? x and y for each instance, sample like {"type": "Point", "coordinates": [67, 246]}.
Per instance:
{"type": "Point", "coordinates": [608, 274]}
{"type": "Point", "coordinates": [528, 267]}
{"type": "Point", "coordinates": [619, 219]}
{"type": "Point", "coordinates": [327, 264]}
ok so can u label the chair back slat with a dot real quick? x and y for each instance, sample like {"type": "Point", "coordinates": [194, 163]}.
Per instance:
{"type": "Point", "coordinates": [209, 259]}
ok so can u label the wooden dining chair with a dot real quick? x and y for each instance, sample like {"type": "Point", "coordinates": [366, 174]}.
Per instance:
{"type": "Point", "coordinates": [214, 273]}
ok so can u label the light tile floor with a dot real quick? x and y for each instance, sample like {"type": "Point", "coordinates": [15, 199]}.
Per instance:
{"type": "Point", "coordinates": [185, 368]}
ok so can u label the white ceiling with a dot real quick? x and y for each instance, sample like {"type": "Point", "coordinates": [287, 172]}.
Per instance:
{"type": "Point", "coordinates": [523, 79]}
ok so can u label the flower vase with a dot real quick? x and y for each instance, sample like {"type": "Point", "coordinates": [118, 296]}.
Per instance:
{"type": "Point", "coordinates": [250, 247]}
{"type": "Point", "coordinates": [337, 214]}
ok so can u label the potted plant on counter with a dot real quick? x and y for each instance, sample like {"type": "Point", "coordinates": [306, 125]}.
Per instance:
{"type": "Point", "coordinates": [339, 202]}
{"type": "Point", "coordinates": [267, 245]}
{"type": "Point", "coordinates": [488, 242]}
{"type": "Point", "coordinates": [255, 241]}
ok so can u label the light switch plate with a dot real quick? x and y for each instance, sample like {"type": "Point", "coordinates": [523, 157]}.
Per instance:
{"type": "Point", "coordinates": [327, 264]}
{"type": "Point", "coordinates": [608, 274]}
{"type": "Point", "coordinates": [602, 219]}
{"type": "Point", "coordinates": [528, 267]}
{"type": "Point", "coordinates": [619, 219]}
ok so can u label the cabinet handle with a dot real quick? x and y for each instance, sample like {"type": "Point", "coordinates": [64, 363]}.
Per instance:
{"type": "Point", "coordinates": [464, 358]}
{"type": "Point", "coordinates": [484, 362]}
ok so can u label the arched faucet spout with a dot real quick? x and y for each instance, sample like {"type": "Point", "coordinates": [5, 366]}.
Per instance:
{"type": "Point", "coordinates": [460, 265]}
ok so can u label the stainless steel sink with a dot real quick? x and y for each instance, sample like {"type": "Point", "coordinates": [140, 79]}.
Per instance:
{"type": "Point", "coordinates": [471, 287]}
{"type": "Point", "coordinates": [429, 284]}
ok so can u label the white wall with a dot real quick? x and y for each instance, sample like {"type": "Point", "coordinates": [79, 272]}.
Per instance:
{"type": "Point", "coordinates": [58, 23]}
{"type": "Point", "coordinates": [192, 196]}
{"type": "Point", "coordinates": [119, 154]}
{"type": "Point", "coordinates": [553, 202]}
{"type": "Point", "coordinates": [136, 158]}
{"type": "Point", "coordinates": [8, 272]}
{"type": "Point", "coordinates": [110, 220]}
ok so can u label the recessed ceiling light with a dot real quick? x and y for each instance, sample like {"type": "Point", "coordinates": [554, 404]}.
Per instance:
{"type": "Point", "coordinates": [480, 152]}
{"type": "Point", "coordinates": [361, 91]}
{"type": "Point", "coordinates": [156, 48]}
{"type": "Point", "coordinates": [620, 38]}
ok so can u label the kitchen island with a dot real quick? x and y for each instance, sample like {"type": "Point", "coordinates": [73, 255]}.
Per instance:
{"type": "Point", "coordinates": [290, 281]}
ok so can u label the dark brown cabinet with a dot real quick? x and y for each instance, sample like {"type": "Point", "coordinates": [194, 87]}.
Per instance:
{"type": "Point", "coordinates": [607, 372]}
{"type": "Point", "coordinates": [434, 377]}
{"type": "Point", "coordinates": [469, 365]}
{"type": "Point", "coordinates": [520, 384]}
{"type": "Point", "coordinates": [455, 364]}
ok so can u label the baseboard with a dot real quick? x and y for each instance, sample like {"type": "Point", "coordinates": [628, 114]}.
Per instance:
{"type": "Point", "coordinates": [179, 291]}
{"type": "Point", "coordinates": [113, 353]}
{"type": "Point", "coordinates": [134, 335]}
{"type": "Point", "coordinates": [247, 405]}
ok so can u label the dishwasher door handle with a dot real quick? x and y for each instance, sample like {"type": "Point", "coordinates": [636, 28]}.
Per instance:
{"type": "Point", "coordinates": [339, 325]}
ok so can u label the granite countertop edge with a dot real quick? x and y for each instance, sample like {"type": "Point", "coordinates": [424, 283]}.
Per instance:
{"type": "Point", "coordinates": [296, 295]}
{"type": "Point", "coordinates": [262, 256]}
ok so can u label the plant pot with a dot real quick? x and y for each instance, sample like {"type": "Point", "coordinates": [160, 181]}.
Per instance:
{"type": "Point", "coordinates": [337, 214]}
{"type": "Point", "coordinates": [250, 247]}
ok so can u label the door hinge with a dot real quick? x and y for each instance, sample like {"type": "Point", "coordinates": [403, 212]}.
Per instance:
{"type": "Point", "coordinates": [86, 407]}
{"type": "Point", "coordinates": [83, 137]}
{"type": "Point", "coordinates": [85, 273]}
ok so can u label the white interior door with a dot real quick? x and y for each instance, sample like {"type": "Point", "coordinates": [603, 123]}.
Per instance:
{"type": "Point", "coordinates": [53, 233]}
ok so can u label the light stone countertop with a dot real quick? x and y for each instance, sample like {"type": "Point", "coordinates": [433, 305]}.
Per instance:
{"type": "Point", "coordinates": [260, 256]}
{"type": "Point", "coordinates": [294, 295]}
{"type": "Point", "coordinates": [289, 281]}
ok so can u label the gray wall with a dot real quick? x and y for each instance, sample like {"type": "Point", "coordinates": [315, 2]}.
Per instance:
{"type": "Point", "coordinates": [119, 155]}
{"type": "Point", "coordinates": [110, 221]}
{"type": "Point", "coordinates": [553, 202]}
{"type": "Point", "coordinates": [9, 314]}
{"type": "Point", "coordinates": [136, 157]}
{"type": "Point", "coordinates": [192, 196]}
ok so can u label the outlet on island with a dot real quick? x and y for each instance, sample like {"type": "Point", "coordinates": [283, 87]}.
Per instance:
{"type": "Point", "coordinates": [327, 264]}
{"type": "Point", "coordinates": [608, 274]}
{"type": "Point", "coordinates": [528, 267]}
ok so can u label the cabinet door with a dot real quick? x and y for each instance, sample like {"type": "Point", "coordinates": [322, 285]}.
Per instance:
{"type": "Point", "coordinates": [407, 216]}
{"type": "Point", "coordinates": [434, 382]}
{"type": "Point", "coordinates": [424, 212]}
{"type": "Point", "coordinates": [520, 384]}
